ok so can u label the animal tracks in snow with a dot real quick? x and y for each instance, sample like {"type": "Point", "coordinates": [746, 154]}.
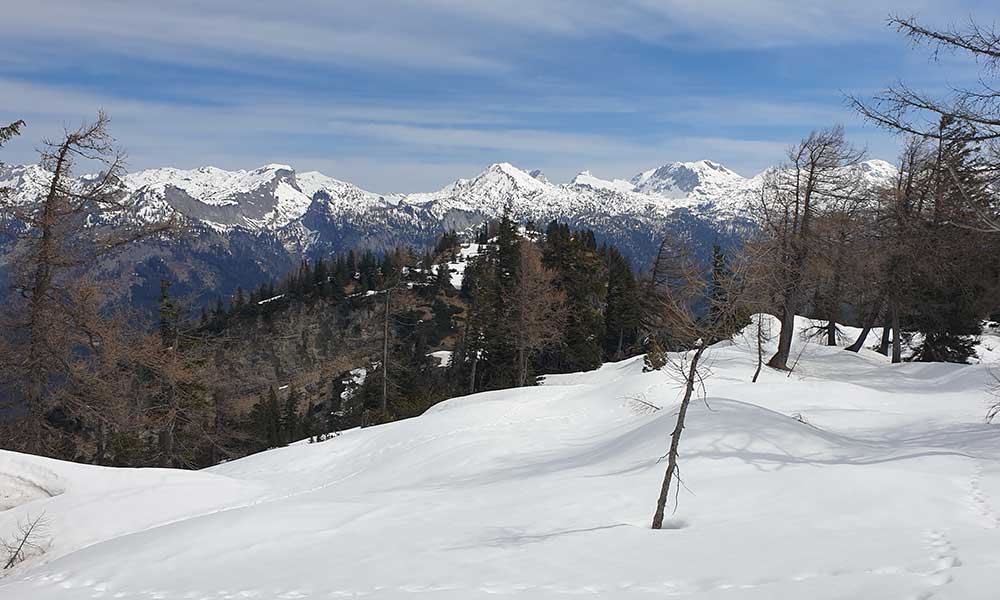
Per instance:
{"type": "Point", "coordinates": [980, 501]}
{"type": "Point", "coordinates": [943, 553]}
{"type": "Point", "coordinates": [944, 558]}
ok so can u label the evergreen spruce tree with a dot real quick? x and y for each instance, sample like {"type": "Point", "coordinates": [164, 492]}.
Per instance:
{"type": "Point", "coordinates": [169, 316]}
{"type": "Point", "coordinates": [239, 301]}
{"type": "Point", "coordinates": [583, 280]}
{"type": "Point", "coordinates": [320, 277]}
{"type": "Point", "coordinates": [948, 287]}
{"type": "Point", "coordinates": [504, 258]}
{"type": "Point", "coordinates": [724, 320]}
{"type": "Point", "coordinates": [472, 354]}
{"type": "Point", "coordinates": [442, 279]}
{"type": "Point", "coordinates": [290, 419]}
{"type": "Point", "coordinates": [622, 309]}
{"type": "Point", "coordinates": [441, 322]}
{"type": "Point", "coordinates": [265, 418]}
{"type": "Point", "coordinates": [8, 132]}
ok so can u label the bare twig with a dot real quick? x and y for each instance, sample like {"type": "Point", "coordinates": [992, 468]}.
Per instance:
{"type": "Point", "coordinates": [30, 539]}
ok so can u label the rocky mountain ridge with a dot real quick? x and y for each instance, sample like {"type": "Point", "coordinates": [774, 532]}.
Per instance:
{"type": "Point", "coordinates": [252, 225]}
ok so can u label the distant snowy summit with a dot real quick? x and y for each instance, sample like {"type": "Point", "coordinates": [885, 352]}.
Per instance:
{"type": "Point", "coordinates": [246, 227]}
{"type": "Point", "coordinates": [275, 197]}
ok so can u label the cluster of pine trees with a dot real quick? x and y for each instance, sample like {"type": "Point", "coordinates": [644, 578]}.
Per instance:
{"type": "Point", "coordinates": [547, 302]}
{"type": "Point", "coordinates": [287, 356]}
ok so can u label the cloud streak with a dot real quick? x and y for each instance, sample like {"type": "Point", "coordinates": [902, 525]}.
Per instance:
{"type": "Point", "coordinates": [402, 95]}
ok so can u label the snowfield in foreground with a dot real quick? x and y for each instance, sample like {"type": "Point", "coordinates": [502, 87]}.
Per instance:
{"type": "Point", "coordinates": [852, 478]}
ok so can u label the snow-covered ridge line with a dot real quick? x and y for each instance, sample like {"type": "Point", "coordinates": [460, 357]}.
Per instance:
{"type": "Point", "coordinates": [275, 197]}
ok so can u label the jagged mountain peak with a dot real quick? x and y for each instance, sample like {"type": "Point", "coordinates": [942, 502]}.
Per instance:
{"type": "Point", "coordinates": [274, 196]}
{"type": "Point", "coordinates": [516, 175]}
{"type": "Point", "coordinates": [208, 181]}
{"type": "Point", "coordinates": [268, 197]}
{"type": "Point", "coordinates": [274, 167]}
{"type": "Point", "coordinates": [257, 222]}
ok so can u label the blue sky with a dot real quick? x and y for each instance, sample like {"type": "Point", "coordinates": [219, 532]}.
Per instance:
{"type": "Point", "coordinates": [399, 95]}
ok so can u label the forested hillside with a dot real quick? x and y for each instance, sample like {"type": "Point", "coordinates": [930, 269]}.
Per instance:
{"type": "Point", "coordinates": [362, 338]}
{"type": "Point", "coordinates": [353, 339]}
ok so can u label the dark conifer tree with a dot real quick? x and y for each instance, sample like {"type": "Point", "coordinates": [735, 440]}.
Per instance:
{"type": "Point", "coordinates": [265, 416]}
{"type": "Point", "coordinates": [726, 322]}
{"type": "Point", "coordinates": [320, 279]}
{"type": "Point", "coordinates": [950, 285]}
{"type": "Point", "coordinates": [239, 301]}
{"type": "Point", "coordinates": [290, 419]}
{"type": "Point", "coordinates": [169, 316]}
{"type": "Point", "coordinates": [447, 241]}
{"type": "Point", "coordinates": [622, 312]}
{"type": "Point", "coordinates": [442, 279]}
{"type": "Point", "coordinates": [583, 280]}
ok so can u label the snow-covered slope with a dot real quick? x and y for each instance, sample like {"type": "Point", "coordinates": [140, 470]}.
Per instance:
{"type": "Point", "coordinates": [704, 186]}
{"type": "Point", "coordinates": [852, 478]}
{"type": "Point", "coordinates": [24, 183]}
{"type": "Point", "coordinates": [339, 196]}
{"type": "Point", "coordinates": [265, 198]}
{"type": "Point", "coordinates": [586, 179]}
{"type": "Point", "coordinates": [679, 180]}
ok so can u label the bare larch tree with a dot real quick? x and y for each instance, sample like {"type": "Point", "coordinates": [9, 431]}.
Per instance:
{"type": "Point", "coordinates": [43, 329]}
{"type": "Point", "coordinates": [678, 297]}
{"type": "Point", "coordinates": [820, 173]}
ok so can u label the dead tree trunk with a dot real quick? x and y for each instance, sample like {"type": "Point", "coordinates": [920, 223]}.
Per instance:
{"type": "Point", "coordinates": [883, 346]}
{"type": "Point", "coordinates": [675, 438]}
{"type": "Point", "coordinates": [897, 349]}
{"type": "Point", "coordinates": [41, 324]}
{"type": "Point", "coordinates": [831, 332]}
{"type": "Point", "coordinates": [472, 373]}
{"type": "Point", "coordinates": [780, 358]}
{"type": "Point", "coordinates": [860, 342]}
{"type": "Point", "coordinates": [385, 355]}
{"type": "Point", "coordinates": [99, 456]}
{"type": "Point", "coordinates": [522, 366]}
{"type": "Point", "coordinates": [870, 321]}
{"type": "Point", "coordinates": [760, 346]}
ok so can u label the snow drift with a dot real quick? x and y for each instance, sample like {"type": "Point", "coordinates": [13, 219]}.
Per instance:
{"type": "Point", "coordinates": [852, 478]}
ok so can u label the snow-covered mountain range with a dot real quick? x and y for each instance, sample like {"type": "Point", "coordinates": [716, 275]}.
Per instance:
{"type": "Point", "coordinates": [274, 197]}
{"type": "Point", "coordinates": [267, 218]}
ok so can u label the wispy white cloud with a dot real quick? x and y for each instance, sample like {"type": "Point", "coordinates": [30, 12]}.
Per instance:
{"type": "Point", "coordinates": [402, 150]}
{"type": "Point", "coordinates": [395, 94]}
{"type": "Point", "coordinates": [228, 33]}
{"type": "Point", "coordinates": [471, 35]}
